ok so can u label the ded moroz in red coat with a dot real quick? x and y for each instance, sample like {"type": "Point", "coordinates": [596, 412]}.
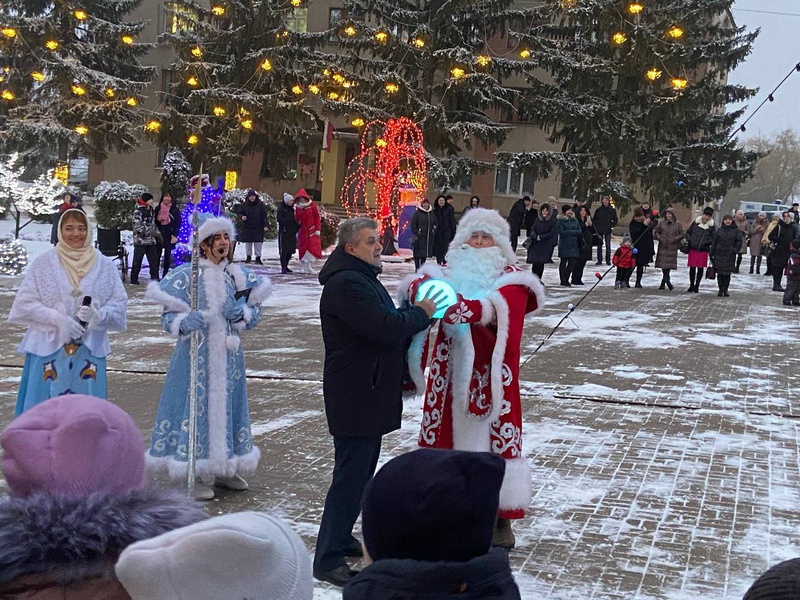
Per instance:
{"type": "Point", "coordinates": [308, 235]}
{"type": "Point", "coordinates": [472, 402]}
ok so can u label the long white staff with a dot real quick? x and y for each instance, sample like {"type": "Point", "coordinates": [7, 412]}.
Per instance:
{"type": "Point", "coordinates": [194, 340]}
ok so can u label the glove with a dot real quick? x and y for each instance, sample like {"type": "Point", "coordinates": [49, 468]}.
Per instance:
{"type": "Point", "coordinates": [192, 321]}
{"type": "Point", "coordinates": [89, 315]}
{"type": "Point", "coordinates": [233, 310]}
{"type": "Point", "coordinates": [318, 233]}
{"type": "Point", "coordinates": [75, 329]}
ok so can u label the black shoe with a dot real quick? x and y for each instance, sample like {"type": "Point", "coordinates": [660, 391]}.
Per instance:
{"type": "Point", "coordinates": [285, 271]}
{"type": "Point", "coordinates": [258, 260]}
{"type": "Point", "coordinates": [247, 260]}
{"type": "Point", "coordinates": [735, 270]}
{"type": "Point", "coordinates": [134, 281]}
{"type": "Point", "coordinates": [578, 283]}
{"type": "Point", "coordinates": [663, 285]}
{"type": "Point", "coordinates": [608, 262]}
{"type": "Point", "coordinates": [670, 286]}
{"type": "Point", "coordinates": [726, 294]}
{"type": "Point", "coordinates": [691, 289]}
{"type": "Point", "coordinates": [719, 294]}
{"type": "Point", "coordinates": [795, 303]}
{"type": "Point", "coordinates": [338, 576]}
{"type": "Point", "coordinates": [777, 288]}
{"type": "Point", "coordinates": [566, 284]}
{"type": "Point", "coordinates": [637, 285]}
{"type": "Point", "coordinates": [628, 284]}
{"type": "Point", "coordinates": [696, 290]}
{"type": "Point", "coordinates": [599, 262]}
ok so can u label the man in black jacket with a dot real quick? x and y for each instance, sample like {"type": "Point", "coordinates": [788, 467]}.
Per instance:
{"type": "Point", "coordinates": [605, 218]}
{"type": "Point", "coordinates": [287, 232]}
{"type": "Point", "coordinates": [364, 335]}
{"type": "Point", "coordinates": [516, 218]}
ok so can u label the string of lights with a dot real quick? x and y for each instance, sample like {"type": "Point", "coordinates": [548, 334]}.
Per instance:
{"type": "Point", "coordinates": [770, 98]}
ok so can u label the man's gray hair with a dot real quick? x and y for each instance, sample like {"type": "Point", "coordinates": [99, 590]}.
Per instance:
{"type": "Point", "coordinates": [349, 230]}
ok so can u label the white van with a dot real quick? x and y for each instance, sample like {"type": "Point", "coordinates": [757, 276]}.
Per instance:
{"type": "Point", "coordinates": [751, 209]}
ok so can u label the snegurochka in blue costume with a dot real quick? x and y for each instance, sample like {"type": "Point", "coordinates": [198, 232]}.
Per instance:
{"type": "Point", "coordinates": [229, 302]}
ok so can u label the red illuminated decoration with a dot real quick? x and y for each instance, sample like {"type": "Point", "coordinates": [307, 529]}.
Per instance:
{"type": "Point", "coordinates": [391, 163]}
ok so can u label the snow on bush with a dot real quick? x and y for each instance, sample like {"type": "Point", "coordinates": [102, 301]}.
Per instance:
{"type": "Point", "coordinates": [114, 203]}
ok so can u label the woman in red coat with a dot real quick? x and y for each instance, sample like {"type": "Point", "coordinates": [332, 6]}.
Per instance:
{"type": "Point", "coordinates": [308, 237]}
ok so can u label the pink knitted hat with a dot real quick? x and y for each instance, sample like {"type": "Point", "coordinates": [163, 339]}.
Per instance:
{"type": "Point", "coordinates": [73, 446]}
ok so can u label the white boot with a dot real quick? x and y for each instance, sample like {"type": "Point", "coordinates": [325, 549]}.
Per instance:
{"type": "Point", "coordinates": [236, 483]}
{"type": "Point", "coordinates": [202, 491]}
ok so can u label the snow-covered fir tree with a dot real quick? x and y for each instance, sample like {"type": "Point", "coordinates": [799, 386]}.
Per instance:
{"type": "Point", "coordinates": [443, 64]}
{"type": "Point", "coordinates": [176, 173]}
{"type": "Point", "coordinates": [26, 200]}
{"type": "Point", "coordinates": [635, 95]}
{"type": "Point", "coordinates": [71, 78]}
{"type": "Point", "coordinates": [237, 66]}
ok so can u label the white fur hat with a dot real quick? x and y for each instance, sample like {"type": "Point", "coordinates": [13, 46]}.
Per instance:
{"type": "Point", "coordinates": [287, 197]}
{"type": "Point", "coordinates": [489, 221]}
{"type": "Point", "coordinates": [241, 555]}
{"type": "Point", "coordinates": [210, 224]}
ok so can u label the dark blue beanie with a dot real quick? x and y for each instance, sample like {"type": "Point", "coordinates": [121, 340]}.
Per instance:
{"type": "Point", "coordinates": [780, 582]}
{"type": "Point", "coordinates": [433, 505]}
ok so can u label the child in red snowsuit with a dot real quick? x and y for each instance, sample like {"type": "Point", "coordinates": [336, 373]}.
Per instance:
{"type": "Point", "coordinates": [625, 261]}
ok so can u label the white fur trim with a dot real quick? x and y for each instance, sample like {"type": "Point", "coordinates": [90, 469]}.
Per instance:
{"type": "Point", "coordinates": [175, 327]}
{"type": "Point", "coordinates": [468, 433]}
{"type": "Point", "coordinates": [525, 279]}
{"type": "Point", "coordinates": [488, 221]}
{"type": "Point", "coordinates": [155, 294]}
{"type": "Point", "coordinates": [259, 293]}
{"type": "Point", "coordinates": [204, 467]}
{"type": "Point", "coordinates": [487, 311]}
{"type": "Point", "coordinates": [415, 360]}
{"type": "Point", "coordinates": [213, 280]}
{"type": "Point", "coordinates": [516, 491]}
{"type": "Point", "coordinates": [213, 225]}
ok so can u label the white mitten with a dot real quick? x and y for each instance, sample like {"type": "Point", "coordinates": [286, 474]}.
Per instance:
{"type": "Point", "coordinates": [89, 315]}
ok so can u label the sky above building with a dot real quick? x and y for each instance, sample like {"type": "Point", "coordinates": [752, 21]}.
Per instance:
{"type": "Point", "coordinates": [775, 53]}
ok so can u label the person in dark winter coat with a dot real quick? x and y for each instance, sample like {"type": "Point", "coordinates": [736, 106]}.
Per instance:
{"type": "Point", "coordinates": [474, 202]}
{"type": "Point", "coordinates": [641, 230]}
{"type": "Point", "coordinates": [146, 238]}
{"type": "Point", "coordinates": [791, 295]}
{"type": "Point", "coordinates": [782, 235]}
{"type": "Point", "coordinates": [605, 219]}
{"type": "Point", "coordinates": [516, 219]}
{"type": "Point", "coordinates": [423, 227]}
{"type": "Point", "coordinates": [542, 240]}
{"type": "Point", "coordinates": [699, 235]}
{"type": "Point", "coordinates": [287, 232]}
{"type": "Point", "coordinates": [74, 466]}
{"type": "Point", "coordinates": [585, 245]}
{"type": "Point", "coordinates": [668, 233]}
{"type": "Point", "coordinates": [445, 228]}
{"type": "Point", "coordinates": [388, 239]}
{"type": "Point", "coordinates": [168, 221]}
{"type": "Point", "coordinates": [530, 217]}
{"type": "Point", "coordinates": [364, 336]}
{"type": "Point", "coordinates": [725, 246]}
{"type": "Point", "coordinates": [569, 234]}
{"type": "Point", "coordinates": [254, 225]}
{"type": "Point", "coordinates": [427, 519]}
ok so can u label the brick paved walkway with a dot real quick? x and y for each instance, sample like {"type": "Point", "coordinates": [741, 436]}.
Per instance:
{"type": "Point", "coordinates": [661, 428]}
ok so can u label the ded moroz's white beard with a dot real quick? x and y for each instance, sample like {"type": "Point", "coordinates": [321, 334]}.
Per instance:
{"type": "Point", "coordinates": [473, 271]}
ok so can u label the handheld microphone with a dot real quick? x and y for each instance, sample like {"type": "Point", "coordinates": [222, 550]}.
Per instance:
{"type": "Point", "coordinates": [87, 301]}
{"type": "Point", "coordinates": [220, 251]}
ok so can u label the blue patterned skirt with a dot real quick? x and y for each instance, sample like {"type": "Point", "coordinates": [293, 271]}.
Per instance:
{"type": "Point", "coordinates": [69, 370]}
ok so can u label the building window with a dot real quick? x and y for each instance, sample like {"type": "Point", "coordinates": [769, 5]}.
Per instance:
{"type": "Point", "coordinates": [335, 17]}
{"type": "Point", "coordinates": [298, 21]}
{"type": "Point", "coordinates": [161, 153]}
{"type": "Point", "coordinates": [567, 188]}
{"type": "Point", "coordinates": [174, 18]}
{"type": "Point", "coordinates": [282, 166]}
{"type": "Point", "coordinates": [463, 184]}
{"type": "Point", "coordinates": [514, 182]}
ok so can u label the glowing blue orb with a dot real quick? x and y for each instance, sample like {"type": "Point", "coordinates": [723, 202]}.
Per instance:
{"type": "Point", "coordinates": [433, 287]}
{"type": "Point", "coordinates": [636, 251]}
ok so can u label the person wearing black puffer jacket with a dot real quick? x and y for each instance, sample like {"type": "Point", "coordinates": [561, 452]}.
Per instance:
{"type": "Point", "coordinates": [542, 240]}
{"type": "Point", "coordinates": [428, 518]}
{"type": "Point", "coordinates": [724, 248]}
{"type": "Point", "coordinates": [254, 225]}
{"type": "Point", "coordinates": [699, 235]}
{"type": "Point", "coordinates": [365, 342]}
{"type": "Point", "coordinates": [782, 235]}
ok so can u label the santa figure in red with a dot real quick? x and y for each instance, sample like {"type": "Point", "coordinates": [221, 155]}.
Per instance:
{"type": "Point", "coordinates": [309, 245]}
{"type": "Point", "coordinates": [471, 394]}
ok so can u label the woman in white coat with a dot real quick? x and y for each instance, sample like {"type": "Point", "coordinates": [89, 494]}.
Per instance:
{"type": "Point", "coordinates": [71, 297]}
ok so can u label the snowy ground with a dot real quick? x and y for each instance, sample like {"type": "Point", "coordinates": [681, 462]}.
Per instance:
{"type": "Point", "coordinates": [661, 428]}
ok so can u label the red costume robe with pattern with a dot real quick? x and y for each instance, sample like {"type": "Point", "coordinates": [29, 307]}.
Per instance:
{"type": "Point", "coordinates": [308, 237]}
{"type": "Point", "coordinates": [472, 398]}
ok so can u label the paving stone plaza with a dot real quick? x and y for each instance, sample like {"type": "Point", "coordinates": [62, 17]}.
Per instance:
{"type": "Point", "coordinates": [662, 429]}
